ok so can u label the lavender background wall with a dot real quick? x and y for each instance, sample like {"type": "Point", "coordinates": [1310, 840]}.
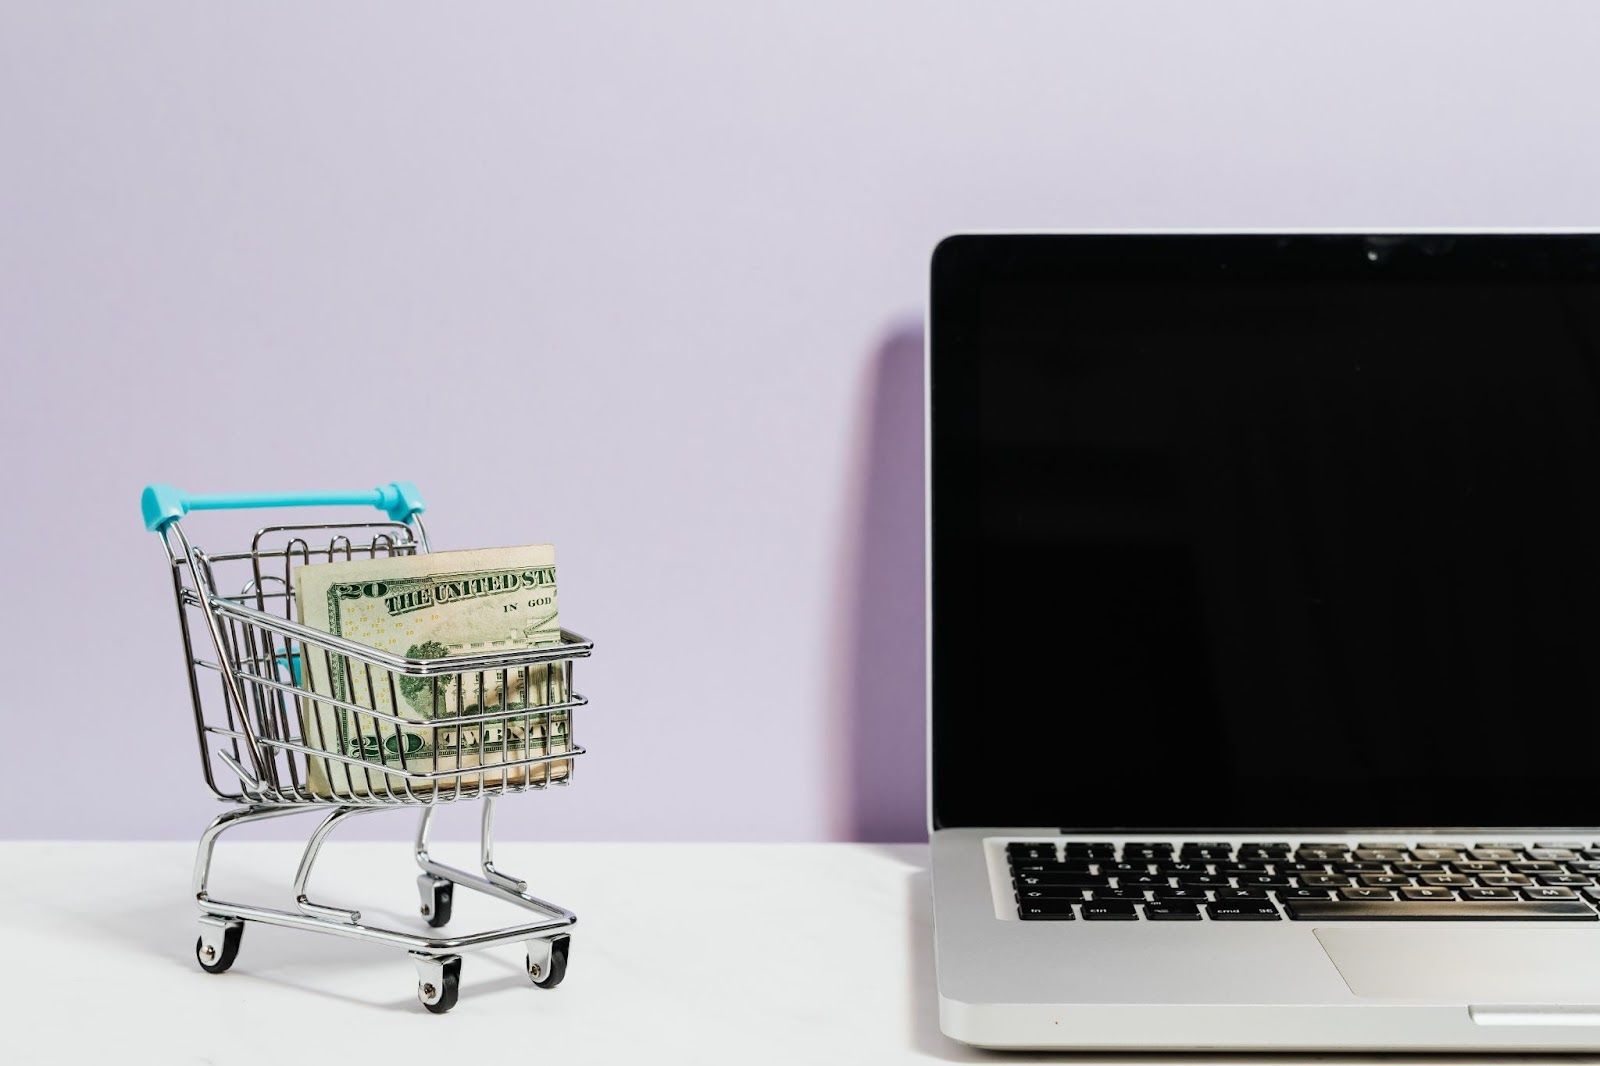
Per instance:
{"type": "Point", "coordinates": [643, 279]}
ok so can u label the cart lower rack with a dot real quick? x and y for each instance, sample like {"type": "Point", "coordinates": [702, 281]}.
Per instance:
{"type": "Point", "coordinates": [273, 748]}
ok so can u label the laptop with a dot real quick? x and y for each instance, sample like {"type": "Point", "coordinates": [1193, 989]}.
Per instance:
{"type": "Point", "coordinates": [1264, 640]}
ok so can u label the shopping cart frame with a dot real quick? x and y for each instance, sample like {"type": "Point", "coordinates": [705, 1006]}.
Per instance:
{"type": "Point", "coordinates": [248, 726]}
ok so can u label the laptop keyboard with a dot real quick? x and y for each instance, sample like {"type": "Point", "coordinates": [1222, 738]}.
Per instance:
{"type": "Point", "coordinates": [1313, 881]}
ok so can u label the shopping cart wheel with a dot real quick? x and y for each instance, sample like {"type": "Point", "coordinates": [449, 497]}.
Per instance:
{"type": "Point", "coordinates": [439, 986]}
{"type": "Point", "coordinates": [546, 971]}
{"type": "Point", "coordinates": [218, 945]}
{"type": "Point", "coordinates": [437, 896]}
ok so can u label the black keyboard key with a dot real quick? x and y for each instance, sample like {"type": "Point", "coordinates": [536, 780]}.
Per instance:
{"type": "Point", "coordinates": [1097, 848]}
{"type": "Point", "coordinates": [1426, 894]}
{"type": "Point", "coordinates": [1141, 881]}
{"type": "Point", "coordinates": [1365, 854]}
{"type": "Point", "coordinates": [1552, 854]}
{"type": "Point", "coordinates": [1172, 912]}
{"type": "Point", "coordinates": [1504, 880]}
{"type": "Point", "coordinates": [1262, 881]}
{"type": "Point", "coordinates": [1033, 867]}
{"type": "Point", "coordinates": [1535, 867]}
{"type": "Point", "coordinates": [1135, 894]}
{"type": "Point", "coordinates": [1360, 867]}
{"type": "Point", "coordinates": [1384, 880]}
{"type": "Point", "coordinates": [1301, 867]}
{"type": "Point", "coordinates": [1028, 895]}
{"type": "Point", "coordinates": [1110, 911]}
{"type": "Point", "coordinates": [1488, 893]}
{"type": "Point", "coordinates": [1073, 855]}
{"type": "Point", "coordinates": [1202, 881]}
{"type": "Point", "coordinates": [1142, 858]}
{"type": "Point", "coordinates": [1044, 912]}
{"type": "Point", "coordinates": [1324, 880]}
{"type": "Point", "coordinates": [1031, 851]}
{"type": "Point", "coordinates": [1417, 869]}
{"type": "Point", "coordinates": [1487, 854]}
{"type": "Point", "coordinates": [1177, 895]}
{"type": "Point", "coordinates": [1435, 854]}
{"type": "Point", "coordinates": [1476, 867]}
{"type": "Point", "coordinates": [1234, 895]}
{"type": "Point", "coordinates": [1064, 880]}
{"type": "Point", "coordinates": [1182, 868]}
{"type": "Point", "coordinates": [1242, 911]}
{"type": "Point", "coordinates": [1312, 910]}
{"type": "Point", "coordinates": [1448, 880]}
{"type": "Point", "coordinates": [1303, 893]}
{"type": "Point", "coordinates": [1365, 893]}
{"type": "Point", "coordinates": [1543, 892]}
{"type": "Point", "coordinates": [1321, 854]}
{"type": "Point", "coordinates": [1570, 880]}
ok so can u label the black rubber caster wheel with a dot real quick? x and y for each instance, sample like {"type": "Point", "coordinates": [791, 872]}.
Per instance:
{"type": "Point", "coordinates": [437, 909]}
{"type": "Point", "coordinates": [552, 975]}
{"type": "Point", "coordinates": [231, 935]}
{"type": "Point", "coordinates": [444, 997]}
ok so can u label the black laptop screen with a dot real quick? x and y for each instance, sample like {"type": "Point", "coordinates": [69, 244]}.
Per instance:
{"type": "Point", "coordinates": [1257, 531]}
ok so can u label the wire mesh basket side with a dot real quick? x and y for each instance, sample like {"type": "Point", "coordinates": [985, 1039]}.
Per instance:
{"type": "Point", "coordinates": [368, 732]}
{"type": "Point", "coordinates": [304, 717]}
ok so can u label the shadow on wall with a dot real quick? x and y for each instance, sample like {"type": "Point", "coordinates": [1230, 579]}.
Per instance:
{"type": "Point", "coordinates": [884, 698]}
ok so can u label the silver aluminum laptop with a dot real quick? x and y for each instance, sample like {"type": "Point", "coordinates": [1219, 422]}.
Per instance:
{"type": "Point", "coordinates": [1265, 640]}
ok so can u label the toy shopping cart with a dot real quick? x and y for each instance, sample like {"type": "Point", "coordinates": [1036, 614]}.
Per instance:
{"type": "Point", "coordinates": [259, 725]}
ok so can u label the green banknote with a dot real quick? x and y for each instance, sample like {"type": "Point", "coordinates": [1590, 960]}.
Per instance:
{"type": "Point", "coordinates": [432, 606]}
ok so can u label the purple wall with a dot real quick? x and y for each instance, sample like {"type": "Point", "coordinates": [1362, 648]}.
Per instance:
{"type": "Point", "coordinates": [643, 280]}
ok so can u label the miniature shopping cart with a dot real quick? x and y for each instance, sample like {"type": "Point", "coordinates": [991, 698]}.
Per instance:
{"type": "Point", "coordinates": [260, 724]}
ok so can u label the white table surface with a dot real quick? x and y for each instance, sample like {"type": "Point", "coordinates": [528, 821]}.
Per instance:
{"type": "Point", "coordinates": [703, 953]}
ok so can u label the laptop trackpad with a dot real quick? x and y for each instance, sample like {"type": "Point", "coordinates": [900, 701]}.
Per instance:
{"type": "Point", "coordinates": [1472, 965]}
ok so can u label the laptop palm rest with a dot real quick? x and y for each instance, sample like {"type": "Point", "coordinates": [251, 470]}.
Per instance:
{"type": "Point", "coordinates": [1486, 968]}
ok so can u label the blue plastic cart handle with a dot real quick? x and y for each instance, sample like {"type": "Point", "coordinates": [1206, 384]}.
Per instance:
{"type": "Point", "coordinates": [162, 504]}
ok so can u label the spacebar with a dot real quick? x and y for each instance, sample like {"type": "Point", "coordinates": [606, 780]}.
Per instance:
{"type": "Point", "coordinates": [1330, 910]}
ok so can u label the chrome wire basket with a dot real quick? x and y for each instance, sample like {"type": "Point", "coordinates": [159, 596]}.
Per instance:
{"type": "Point", "coordinates": [480, 726]}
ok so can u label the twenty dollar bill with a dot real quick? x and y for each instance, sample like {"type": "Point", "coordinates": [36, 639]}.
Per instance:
{"type": "Point", "coordinates": [432, 606]}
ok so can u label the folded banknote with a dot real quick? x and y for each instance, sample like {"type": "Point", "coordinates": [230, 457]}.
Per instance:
{"type": "Point", "coordinates": [432, 606]}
